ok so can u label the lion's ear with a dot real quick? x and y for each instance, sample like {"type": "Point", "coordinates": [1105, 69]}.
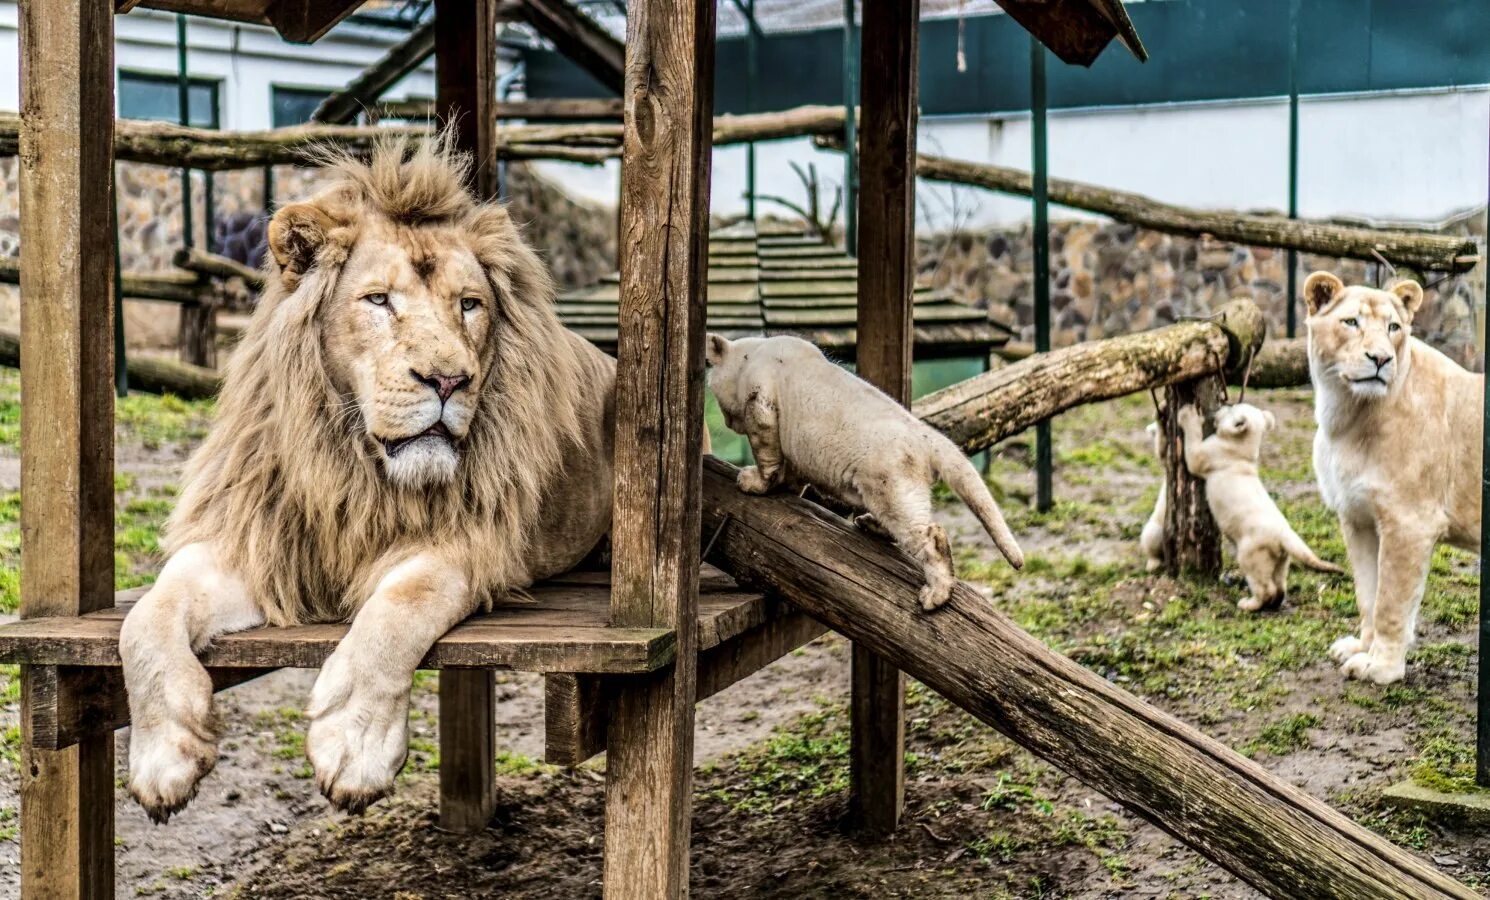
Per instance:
{"type": "Point", "coordinates": [1411, 295]}
{"type": "Point", "coordinates": [715, 348]}
{"type": "Point", "coordinates": [296, 234]}
{"type": "Point", "coordinates": [1320, 289]}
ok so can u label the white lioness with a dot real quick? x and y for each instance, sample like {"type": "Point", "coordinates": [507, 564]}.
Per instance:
{"type": "Point", "coordinates": [1246, 514]}
{"type": "Point", "coordinates": [810, 420]}
{"type": "Point", "coordinates": [1397, 456]}
{"type": "Point", "coordinates": [405, 433]}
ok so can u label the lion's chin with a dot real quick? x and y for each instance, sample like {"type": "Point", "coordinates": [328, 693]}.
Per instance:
{"type": "Point", "coordinates": [423, 462]}
{"type": "Point", "coordinates": [1368, 388]}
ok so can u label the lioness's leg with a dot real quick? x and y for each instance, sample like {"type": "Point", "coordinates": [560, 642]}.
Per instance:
{"type": "Point", "coordinates": [1362, 546]}
{"type": "Point", "coordinates": [765, 445]}
{"type": "Point", "coordinates": [173, 729]}
{"type": "Point", "coordinates": [1402, 573]}
{"type": "Point", "coordinates": [359, 707]}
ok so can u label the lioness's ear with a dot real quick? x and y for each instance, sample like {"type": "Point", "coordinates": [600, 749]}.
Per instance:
{"type": "Point", "coordinates": [296, 234]}
{"type": "Point", "coordinates": [1411, 295]}
{"type": "Point", "coordinates": [715, 348]}
{"type": "Point", "coordinates": [1319, 289]}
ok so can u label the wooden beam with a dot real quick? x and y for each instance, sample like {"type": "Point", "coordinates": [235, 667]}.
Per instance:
{"type": "Point", "coordinates": [363, 91]}
{"type": "Point", "coordinates": [168, 287]}
{"type": "Point", "coordinates": [146, 373]}
{"type": "Point", "coordinates": [215, 266]}
{"type": "Point", "coordinates": [887, 178]}
{"type": "Point", "coordinates": [255, 11]}
{"type": "Point", "coordinates": [67, 434]}
{"type": "Point", "coordinates": [465, 43]}
{"type": "Point", "coordinates": [664, 241]}
{"type": "Point", "coordinates": [579, 38]}
{"type": "Point", "coordinates": [306, 21]}
{"type": "Point", "coordinates": [1267, 832]}
{"type": "Point", "coordinates": [581, 109]}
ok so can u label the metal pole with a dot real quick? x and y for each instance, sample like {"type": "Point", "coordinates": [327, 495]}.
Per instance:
{"type": "Point", "coordinates": [183, 103]}
{"type": "Point", "coordinates": [1293, 158]}
{"type": "Point", "coordinates": [751, 73]}
{"type": "Point", "coordinates": [1044, 461]}
{"type": "Point", "coordinates": [121, 369]}
{"type": "Point", "coordinates": [1482, 700]}
{"type": "Point", "coordinates": [850, 130]}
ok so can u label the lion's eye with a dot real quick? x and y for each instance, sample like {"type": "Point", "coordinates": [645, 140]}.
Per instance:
{"type": "Point", "coordinates": [1350, 323]}
{"type": "Point", "coordinates": [378, 299]}
{"type": "Point", "coordinates": [1394, 328]}
{"type": "Point", "coordinates": [469, 303]}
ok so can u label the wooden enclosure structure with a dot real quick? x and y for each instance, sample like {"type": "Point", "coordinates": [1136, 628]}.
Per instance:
{"type": "Point", "coordinates": [627, 656]}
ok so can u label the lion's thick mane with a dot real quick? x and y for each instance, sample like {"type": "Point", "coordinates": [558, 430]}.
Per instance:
{"type": "Point", "coordinates": [284, 486]}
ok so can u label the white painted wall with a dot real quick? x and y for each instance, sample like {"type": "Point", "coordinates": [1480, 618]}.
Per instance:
{"type": "Point", "coordinates": [1413, 156]}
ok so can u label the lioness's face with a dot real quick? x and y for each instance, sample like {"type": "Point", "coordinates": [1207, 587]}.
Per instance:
{"type": "Point", "coordinates": [406, 338]}
{"type": "Point", "coordinates": [1359, 335]}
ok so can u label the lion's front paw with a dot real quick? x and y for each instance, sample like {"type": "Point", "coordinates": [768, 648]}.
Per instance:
{"type": "Point", "coordinates": [358, 738]}
{"type": "Point", "coordinates": [1376, 666]}
{"type": "Point", "coordinates": [751, 481]}
{"type": "Point", "coordinates": [1345, 648]}
{"type": "Point", "coordinates": [166, 763]}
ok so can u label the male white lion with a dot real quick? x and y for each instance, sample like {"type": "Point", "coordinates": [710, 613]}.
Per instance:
{"type": "Point", "coordinates": [405, 433]}
{"type": "Point", "coordinates": [1397, 455]}
{"type": "Point", "coordinates": [809, 419]}
{"type": "Point", "coordinates": [1244, 510]}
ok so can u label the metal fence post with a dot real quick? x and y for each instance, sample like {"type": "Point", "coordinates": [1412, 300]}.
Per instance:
{"type": "Point", "coordinates": [850, 131]}
{"type": "Point", "coordinates": [1040, 236]}
{"type": "Point", "coordinates": [183, 103]}
{"type": "Point", "coordinates": [1293, 159]}
{"type": "Point", "coordinates": [1482, 699]}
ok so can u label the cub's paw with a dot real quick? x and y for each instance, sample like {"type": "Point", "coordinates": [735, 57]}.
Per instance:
{"type": "Point", "coordinates": [751, 481]}
{"type": "Point", "coordinates": [1154, 564]}
{"type": "Point", "coordinates": [358, 738]}
{"type": "Point", "coordinates": [867, 523]}
{"type": "Point", "coordinates": [1188, 416]}
{"type": "Point", "coordinates": [934, 596]}
{"type": "Point", "coordinates": [1376, 667]}
{"type": "Point", "coordinates": [166, 763]}
{"type": "Point", "coordinates": [1345, 648]}
{"type": "Point", "coordinates": [1251, 603]}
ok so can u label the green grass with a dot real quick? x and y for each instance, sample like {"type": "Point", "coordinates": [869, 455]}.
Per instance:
{"type": "Point", "coordinates": [1284, 736]}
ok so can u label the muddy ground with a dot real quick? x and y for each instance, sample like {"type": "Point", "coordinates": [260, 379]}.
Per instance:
{"type": "Point", "coordinates": [983, 818]}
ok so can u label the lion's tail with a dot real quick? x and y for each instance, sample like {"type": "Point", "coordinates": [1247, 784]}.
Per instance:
{"type": "Point", "coordinates": [967, 483]}
{"type": "Point", "coordinates": [1304, 556]}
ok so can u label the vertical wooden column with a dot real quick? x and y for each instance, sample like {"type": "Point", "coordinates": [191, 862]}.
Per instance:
{"type": "Point", "coordinates": [887, 189]}
{"type": "Point", "coordinates": [466, 91]}
{"type": "Point", "coordinates": [663, 248]}
{"type": "Point", "coordinates": [1192, 539]}
{"type": "Point", "coordinates": [67, 429]}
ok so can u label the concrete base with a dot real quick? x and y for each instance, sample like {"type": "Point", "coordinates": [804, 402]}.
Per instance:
{"type": "Point", "coordinates": [1465, 809]}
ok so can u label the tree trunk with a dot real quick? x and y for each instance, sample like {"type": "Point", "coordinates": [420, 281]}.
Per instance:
{"type": "Point", "coordinates": [1192, 540]}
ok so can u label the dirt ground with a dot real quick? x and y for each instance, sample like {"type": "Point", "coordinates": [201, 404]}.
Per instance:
{"type": "Point", "coordinates": [983, 818]}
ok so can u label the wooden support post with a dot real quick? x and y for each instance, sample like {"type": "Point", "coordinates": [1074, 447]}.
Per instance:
{"type": "Point", "coordinates": [197, 339]}
{"type": "Point", "coordinates": [1192, 539]}
{"type": "Point", "coordinates": [465, 77]}
{"type": "Point", "coordinates": [67, 433]}
{"type": "Point", "coordinates": [669, 97]}
{"type": "Point", "coordinates": [887, 178]}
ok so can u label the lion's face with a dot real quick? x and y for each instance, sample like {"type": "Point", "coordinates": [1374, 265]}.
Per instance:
{"type": "Point", "coordinates": [406, 338]}
{"type": "Point", "coordinates": [1358, 335]}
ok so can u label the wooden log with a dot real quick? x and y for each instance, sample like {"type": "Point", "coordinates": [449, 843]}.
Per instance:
{"type": "Point", "coordinates": [197, 335]}
{"type": "Point", "coordinates": [216, 266]}
{"type": "Point", "coordinates": [1192, 539]}
{"type": "Point", "coordinates": [1416, 250]}
{"type": "Point", "coordinates": [664, 247]}
{"type": "Point", "coordinates": [1281, 363]}
{"type": "Point", "coordinates": [578, 109]}
{"type": "Point", "coordinates": [363, 91]}
{"type": "Point", "coordinates": [886, 283]}
{"type": "Point", "coordinates": [67, 433]}
{"type": "Point", "coordinates": [1226, 807]}
{"type": "Point", "coordinates": [170, 287]}
{"type": "Point", "coordinates": [579, 38]}
{"type": "Point", "coordinates": [984, 410]}
{"type": "Point", "coordinates": [466, 88]}
{"type": "Point", "coordinates": [148, 374]}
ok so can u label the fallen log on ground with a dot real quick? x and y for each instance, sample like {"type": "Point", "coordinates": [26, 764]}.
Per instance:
{"type": "Point", "coordinates": [1269, 833]}
{"type": "Point", "coordinates": [1416, 250]}
{"type": "Point", "coordinates": [148, 374]}
{"type": "Point", "coordinates": [985, 409]}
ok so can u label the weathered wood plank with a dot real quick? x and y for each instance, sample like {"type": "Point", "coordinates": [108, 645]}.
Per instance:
{"type": "Point", "coordinates": [1226, 807]}
{"type": "Point", "coordinates": [664, 236]}
{"type": "Point", "coordinates": [67, 433]}
{"type": "Point", "coordinates": [887, 173]}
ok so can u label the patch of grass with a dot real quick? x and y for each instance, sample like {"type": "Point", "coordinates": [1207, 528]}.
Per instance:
{"type": "Point", "coordinates": [808, 760]}
{"type": "Point", "coordinates": [159, 421]}
{"type": "Point", "coordinates": [1284, 736]}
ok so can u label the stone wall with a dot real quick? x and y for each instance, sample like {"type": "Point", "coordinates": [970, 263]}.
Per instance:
{"type": "Point", "coordinates": [1110, 279]}
{"type": "Point", "coordinates": [578, 241]}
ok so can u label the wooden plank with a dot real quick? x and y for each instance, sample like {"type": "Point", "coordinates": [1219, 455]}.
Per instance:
{"type": "Point", "coordinates": [659, 404]}
{"type": "Point", "coordinates": [306, 21]}
{"type": "Point", "coordinates": [342, 107]}
{"type": "Point", "coordinates": [887, 174]}
{"type": "Point", "coordinates": [67, 433]}
{"type": "Point", "coordinates": [579, 38]}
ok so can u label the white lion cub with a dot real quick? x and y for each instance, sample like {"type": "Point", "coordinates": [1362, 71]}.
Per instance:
{"type": "Point", "coordinates": [1227, 460]}
{"type": "Point", "coordinates": [1152, 538]}
{"type": "Point", "coordinates": [807, 418]}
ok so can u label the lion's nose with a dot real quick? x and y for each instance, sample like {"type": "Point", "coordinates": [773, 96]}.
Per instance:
{"type": "Point", "coordinates": [1380, 359]}
{"type": "Point", "coordinates": [442, 384]}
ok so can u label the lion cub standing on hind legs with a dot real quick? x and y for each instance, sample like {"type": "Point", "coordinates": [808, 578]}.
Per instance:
{"type": "Point", "coordinates": [808, 419]}
{"type": "Point", "coordinates": [1227, 460]}
{"type": "Point", "coordinates": [1397, 456]}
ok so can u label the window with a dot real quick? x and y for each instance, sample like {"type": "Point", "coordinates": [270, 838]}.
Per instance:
{"type": "Point", "coordinates": [143, 95]}
{"type": "Point", "coordinates": [293, 106]}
